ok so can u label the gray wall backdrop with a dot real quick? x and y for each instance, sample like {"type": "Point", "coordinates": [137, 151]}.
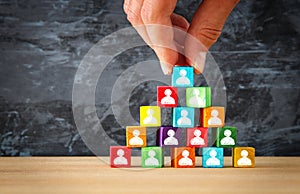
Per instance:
{"type": "Point", "coordinates": [43, 42]}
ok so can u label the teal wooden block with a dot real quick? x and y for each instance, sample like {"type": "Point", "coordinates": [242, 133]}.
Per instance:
{"type": "Point", "coordinates": [213, 157]}
{"type": "Point", "coordinates": [183, 76]}
{"type": "Point", "coordinates": [226, 137]}
{"type": "Point", "coordinates": [183, 117]}
{"type": "Point", "coordinates": [152, 157]}
{"type": "Point", "coordinates": [198, 97]}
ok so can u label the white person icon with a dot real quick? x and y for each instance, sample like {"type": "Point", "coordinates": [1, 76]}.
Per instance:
{"type": "Point", "coordinates": [212, 161]}
{"type": "Point", "coordinates": [214, 119]}
{"type": "Point", "coordinates": [227, 140]}
{"type": "Point", "coordinates": [168, 99]}
{"type": "Point", "coordinates": [171, 140]}
{"type": "Point", "coordinates": [151, 161]}
{"type": "Point", "coordinates": [136, 140]}
{"type": "Point", "coordinates": [185, 161]}
{"type": "Point", "coordinates": [150, 119]}
{"type": "Point", "coordinates": [120, 160]}
{"type": "Point", "coordinates": [244, 161]}
{"type": "Point", "coordinates": [184, 120]}
{"type": "Point", "coordinates": [183, 80]}
{"type": "Point", "coordinates": [195, 100]}
{"type": "Point", "coordinates": [197, 140]}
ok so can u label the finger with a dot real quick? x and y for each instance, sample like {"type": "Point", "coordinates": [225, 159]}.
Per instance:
{"type": "Point", "coordinates": [133, 10]}
{"type": "Point", "coordinates": [198, 63]}
{"type": "Point", "coordinates": [181, 27]}
{"type": "Point", "coordinates": [179, 21]}
{"type": "Point", "coordinates": [206, 27]}
{"type": "Point", "coordinates": [209, 20]}
{"type": "Point", "coordinates": [161, 34]}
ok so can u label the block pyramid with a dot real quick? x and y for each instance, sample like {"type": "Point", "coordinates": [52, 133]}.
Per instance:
{"type": "Point", "coordinates": [169, 137]}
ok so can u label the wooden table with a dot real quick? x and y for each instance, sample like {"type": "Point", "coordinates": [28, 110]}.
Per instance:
{"type": "Point", "coordinates": [93, 175]}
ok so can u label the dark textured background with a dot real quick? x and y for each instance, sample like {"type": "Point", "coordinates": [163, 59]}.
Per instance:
{"type": "Point", "coordinates": [43, 42]}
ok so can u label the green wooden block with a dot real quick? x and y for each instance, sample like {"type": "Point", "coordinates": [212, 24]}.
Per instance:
{"type": "Point", "coordinates": [226, 137]}
{"type": "Point", "coordinates": [198, 97]}
{"type": "Point", "coordinates": [152, 157]}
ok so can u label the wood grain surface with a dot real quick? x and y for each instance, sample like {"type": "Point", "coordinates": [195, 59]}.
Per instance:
{"type": "Point", "coordinates": [93, 175]}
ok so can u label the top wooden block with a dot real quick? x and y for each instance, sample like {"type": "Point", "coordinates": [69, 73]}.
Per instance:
{"type": "Point", "coordinates": [183, 76]}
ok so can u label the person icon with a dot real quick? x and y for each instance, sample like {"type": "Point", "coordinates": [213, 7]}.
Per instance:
{"type": "Point", "coordinates": [214, 119]}
{"type": "Point", "coordinates": [213, 161]}
{"type": "Point", "coordinates": [151, 161]}
{"type": "Point", "coordinates": [171, 140]}
{"type": "Point", "coordinates": [168, 99]}
{"type": "Point", "coordinates": [195, 100]}
{"type": "Point", "coordinates": [183, 80]}
{"type": "Point", "coordinates": [185, 161]}
{"type": "Point", "coordinates": [184, 120]}
{"type": "Point", "coordinates": [120, 160]}
{"type": "Point", "coordinates": [136, 140]}
{"type": "Point", "coordinates": [150, 119]}
{"type": "Point", "coordinates": [227, 140]}
{"type": "Point", "coordinates": [244, 161]}
{"type": "Point", "coordinates": [197, 140]}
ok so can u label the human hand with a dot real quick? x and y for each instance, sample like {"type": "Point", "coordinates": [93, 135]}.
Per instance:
{"type": "Point", "coordinates": [206, 26]}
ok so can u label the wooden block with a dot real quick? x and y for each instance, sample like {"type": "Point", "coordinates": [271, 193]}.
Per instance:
{"type": "Point", "coordinates": [243, 157]}
{"type": "Point", "coordinates": [198, 97]}
{"type": "Point", "coordinates": [183, 76]}
{"type": "Point", "coordinates": [183, 117]}
{"type": "Point", "coordinates": [136, 136]}
{"type": "Point", "coordinates": [196, 137]}
{"type": "Point", "coordinates": [212, 157]}
{"type": "Point", "coordinates": [226, 137]}
{"type": "Point", "coordinates": [150, 116]}
{"type": "Point", "coordinates": [212, 116]}
{"type": "Point", "coordinates": [183, 157]}
{"type": "Point", "coordinates": [167, 96]}
{"type": "Point", "coordinates": [168, 136]}
{"type": "Point", "coordinates": [152, 157]}
{"type": "Point", "coordinates": [120, 157]}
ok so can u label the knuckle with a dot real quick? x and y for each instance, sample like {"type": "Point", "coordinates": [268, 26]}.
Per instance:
{"type": "Point", "coordinates": [132, 16]}
{"type": "Point", "coordinates": [125, 6]}
{"type": "Point", "coordinates": [147, 15]}
{"type": "Point", "coordinates": [211, 34]}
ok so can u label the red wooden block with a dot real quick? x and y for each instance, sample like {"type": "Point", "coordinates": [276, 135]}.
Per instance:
{"type": "Point", "coordinates": [183, 157]}
{"type": "Point", "coordinates": [167, 96]}
{"type": "Point", "coordinates": [120, 157]}
{"type": "Point", "coordinates": [196, 137]}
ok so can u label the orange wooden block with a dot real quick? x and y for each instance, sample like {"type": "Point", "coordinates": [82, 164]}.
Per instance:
{"type": "Point", "coordinates": [212, 116]}
{"type": "Point", "coordinates": [136, 136]}
{"type": "Point", "coordinates": [183, 157]}
{"type": "Point", "coordinates": [243, 157]}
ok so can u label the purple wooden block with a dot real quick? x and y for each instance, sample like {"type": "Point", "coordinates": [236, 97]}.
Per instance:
{"type": "Point", "coordinates": [168, 136]}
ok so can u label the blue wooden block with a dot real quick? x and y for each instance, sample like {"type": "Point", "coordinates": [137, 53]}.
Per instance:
{"type": "Point", "coordinates": [183, 117]}
{"type": "Point", "coordinates": [183, 76]}
{"type": "Point", "coordinates": [213, 157]}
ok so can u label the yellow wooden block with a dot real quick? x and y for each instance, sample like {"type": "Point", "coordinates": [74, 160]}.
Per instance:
{"type": "Point", "coordinates": [150, 116]}
{"type": "Point", "coordinates": [243, 157]}
{"type": "Point", "coordinates": [136, 136]}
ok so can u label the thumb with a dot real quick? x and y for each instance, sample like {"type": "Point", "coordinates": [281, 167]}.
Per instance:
{"type": "Point", "coordinates": [206, 27]}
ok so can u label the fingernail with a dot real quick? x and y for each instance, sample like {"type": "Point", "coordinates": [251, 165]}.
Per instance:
{"type": "Point", "coordinates": [167, 70]}
{"type": "Point", "coordinates": [200, 62]}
